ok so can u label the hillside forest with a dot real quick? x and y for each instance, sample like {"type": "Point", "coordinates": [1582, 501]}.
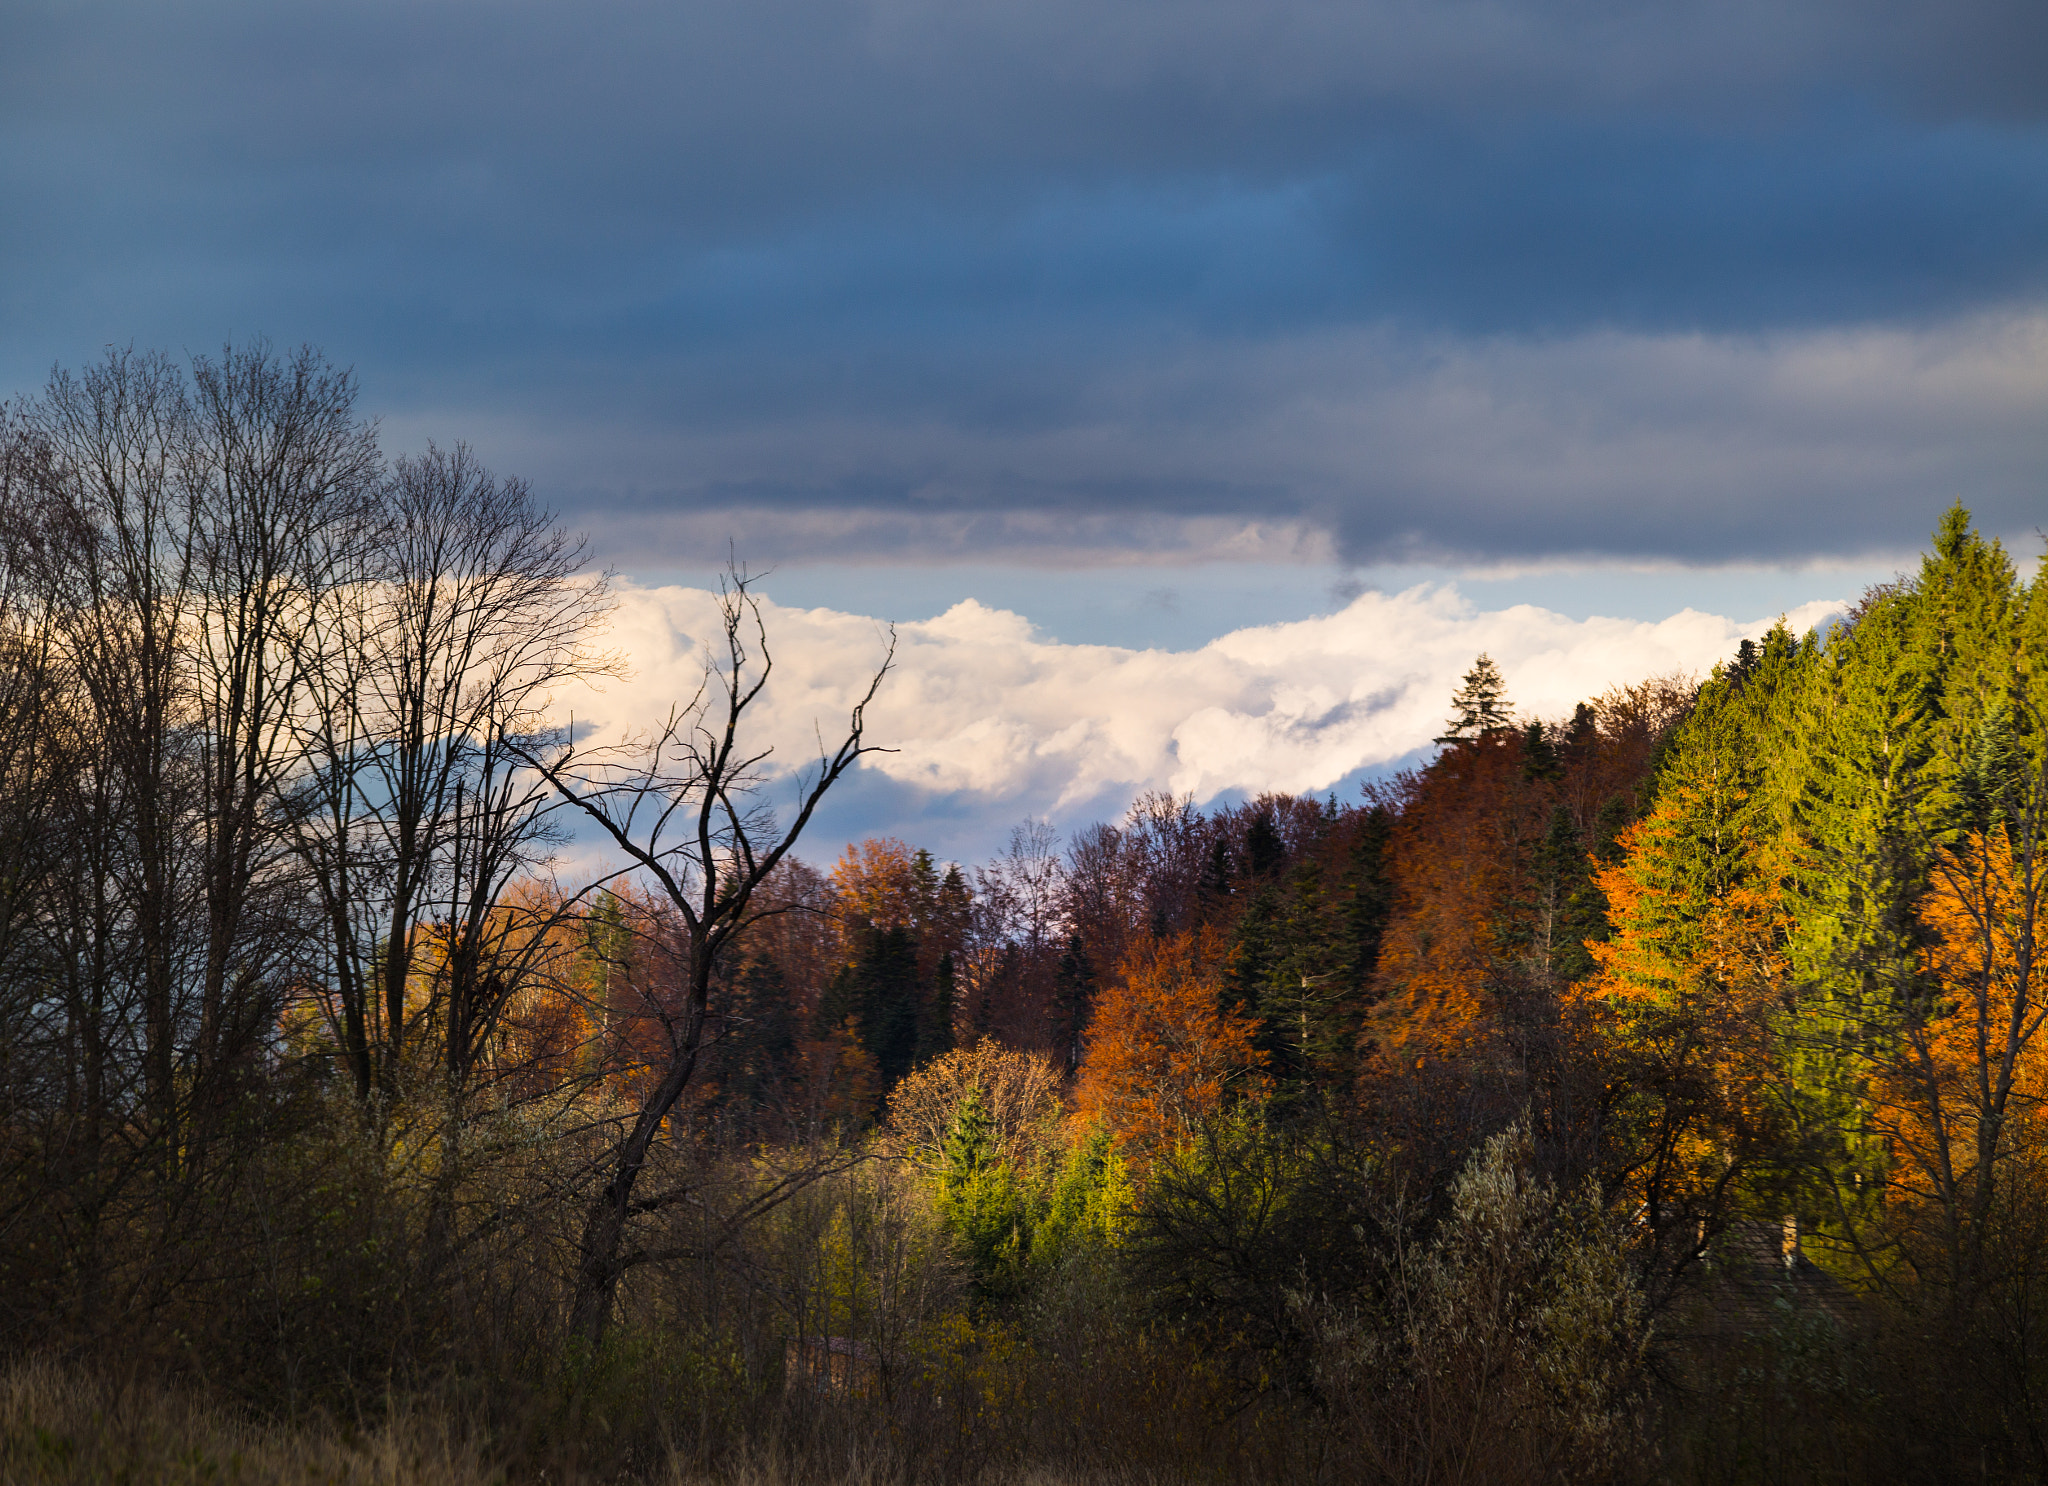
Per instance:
{"type": "Point", "coordinates": [1654, 1093]}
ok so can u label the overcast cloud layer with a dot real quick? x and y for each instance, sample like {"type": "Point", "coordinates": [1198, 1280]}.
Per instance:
{"type": "Point", "coordinates": [990, 722]}
{"type": "Point", "coordinates": [1126, 279]}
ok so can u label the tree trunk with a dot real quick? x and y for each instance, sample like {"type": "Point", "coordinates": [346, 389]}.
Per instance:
{"type": "Point", "coordinates": [601, 1263]}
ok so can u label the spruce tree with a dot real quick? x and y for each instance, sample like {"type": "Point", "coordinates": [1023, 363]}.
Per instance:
{"type": "Point", "coordinates": [1479, 707]}
{"type": "Point", "coordinates": [1073, 998]}
{"type": "Point", "coordinates": [1213, 887]}
{"type": "Point", "coordinates": [1368, 901]}
{"type": "Point", "coordinates": [981, 1200]}
{"type": "Point", "coordinates": [1892, 750]}
{"type": "Point", "coordinates": [757, 1053]}
{"type": "Point", "coordinates": [1902, 747]}
{"type": "Point", "coordinates": [1264, 851]}
{"type": "Point", "coordinates": [883, 995]}
{"type": "Point", "coordinates": [935, 1022]}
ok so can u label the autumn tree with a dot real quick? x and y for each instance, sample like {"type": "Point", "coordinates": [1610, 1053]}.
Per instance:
{"type": "Point", "coordinates": [1165, 1053]}
{"type": "Point", "coordinates": [1490, 890]}
{"type": "Point", "coordinates": [1691, 989]}
{"type": "Point", "coordinates": [1021, 1097]}
{"type": "Point", "coordinates": [1461, 834]}
{"type": "Point", "coordinates": [900, 925]}
{"type": "Point", "coordinates": [1961, 1090]}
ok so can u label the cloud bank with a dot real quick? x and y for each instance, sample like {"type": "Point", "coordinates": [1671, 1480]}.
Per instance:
{"type": "Point", "coordinates": [1371, 445]}
{"type": "Point", "coordinates": [998, 722]}
{"type": "Point", "coordinates": [1108, 281]}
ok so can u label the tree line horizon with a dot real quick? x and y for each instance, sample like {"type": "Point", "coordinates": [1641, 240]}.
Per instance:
{"type": "Point", "coordinates": [1428, 1135]}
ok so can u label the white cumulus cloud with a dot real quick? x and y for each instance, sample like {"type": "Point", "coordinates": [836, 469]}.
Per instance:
{"type": "Point", "coordinates": [980, 706]}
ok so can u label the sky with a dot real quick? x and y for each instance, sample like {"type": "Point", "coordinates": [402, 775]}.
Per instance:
{"type": "Point", "coordinates": [1329, 340]}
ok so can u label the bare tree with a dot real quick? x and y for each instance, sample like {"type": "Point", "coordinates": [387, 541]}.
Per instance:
{"type": "Point", "coordinates": [27, 704]}
{"type": "Point", "coordinates": [124, 533]}
{"type": "Point", "coordinates": [41, 1010]}
{"type": "Point", "coordinates": [687, 813]}
{"type": "Point", "coordinates": [190, 527]}
{"type": "Point", "coordinates": [281, 474]}
{"type": "Point", "coordinates": [420, 809]}
{"type": "Point", "coordinates": [1017, 925]}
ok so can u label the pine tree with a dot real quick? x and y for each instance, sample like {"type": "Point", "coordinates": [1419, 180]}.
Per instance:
{"type": "Point", "coordinates": [1479, 707]}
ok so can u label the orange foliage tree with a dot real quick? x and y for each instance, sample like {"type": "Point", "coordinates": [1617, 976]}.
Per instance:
{"type": "Point", "coordinates": [1164, 1052]}
{"type": "Point", "coordinates": [1460, 832]}
{"type": "Point", "coordinates": [1961, 1096]}
{"type": "Point", "coordinates": [875, 882]}
{"type": "Point", "coordinates": [1688, 992]}
{"type": "Point", "coordinates": [1490, 853]}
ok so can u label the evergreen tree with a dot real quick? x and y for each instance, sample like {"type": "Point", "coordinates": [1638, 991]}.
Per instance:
{"type": "Point", "coordinates": [1696, 900]}
{"type": "Point", "coordinates": [1264, 851]}
{"type": "Point", "coordinates": [935, 1031]}
{"type": "Point", "coordinates": [1479, 707]}
{"type": "Point", "coordinates": [982, 1202]}
{"type": "Point", "coordinates": [1368, 901]}
{"type": "Point", "coordinates": [755, 1056]}
{"type": "Point", "coordinates": [1073, 999]}
{"type": "Point", "coordinates": [606, 942]}
{"type": "Point", "coordinates": [898, 1017]}
{"type": "Point", "coordinates": [1568, 909]}
{"type": "Point", "coordinates": [1691, 984]}
{"type": "Point", "coordinates": [892, 1001]}
{"type": "Point", "coordinates": [1746, 656]}
{"type": "Point", "coordinates": [1256, 971]}
{"type": "Point", "coordinates": [838, 1004]}
{"type": "Point", "coordinates": [955, 910]}
{"type": "Point", "coordinates": [1089, 1204]}
{"type": "Point", "coordinates": [1213, 888]}
{"type": "Point", "coordinates": [924, 879]}
{"type": "Point", "coordinates": [1887, 766]}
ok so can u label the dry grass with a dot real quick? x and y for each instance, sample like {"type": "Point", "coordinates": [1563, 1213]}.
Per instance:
{"type": "Point", "coordinates": [59, 1425]}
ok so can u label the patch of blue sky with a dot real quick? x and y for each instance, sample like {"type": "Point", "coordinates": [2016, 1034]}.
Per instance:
{"type": "Point", "coordinates": [1173, 606]}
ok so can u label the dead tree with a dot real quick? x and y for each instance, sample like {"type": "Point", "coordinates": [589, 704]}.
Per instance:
{"type": "Point", "coordinates": [689, 817]}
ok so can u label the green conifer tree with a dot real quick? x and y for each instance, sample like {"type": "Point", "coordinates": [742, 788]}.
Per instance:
{"type": "Point", "coordinates": [981, 1201]}
{"type": "Point", "coordinates": [1479, 707]}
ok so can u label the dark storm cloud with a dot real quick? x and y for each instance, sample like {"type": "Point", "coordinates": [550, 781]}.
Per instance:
{"type": "Point", "coordinates": [1488, 278]}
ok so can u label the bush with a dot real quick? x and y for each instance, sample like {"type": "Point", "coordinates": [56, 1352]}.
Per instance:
{"type": "Point", "coordinates": [1508, 1348]}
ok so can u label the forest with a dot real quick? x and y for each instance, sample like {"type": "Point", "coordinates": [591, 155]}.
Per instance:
{"type": "Point", "coordinates": [1656, 1093]}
